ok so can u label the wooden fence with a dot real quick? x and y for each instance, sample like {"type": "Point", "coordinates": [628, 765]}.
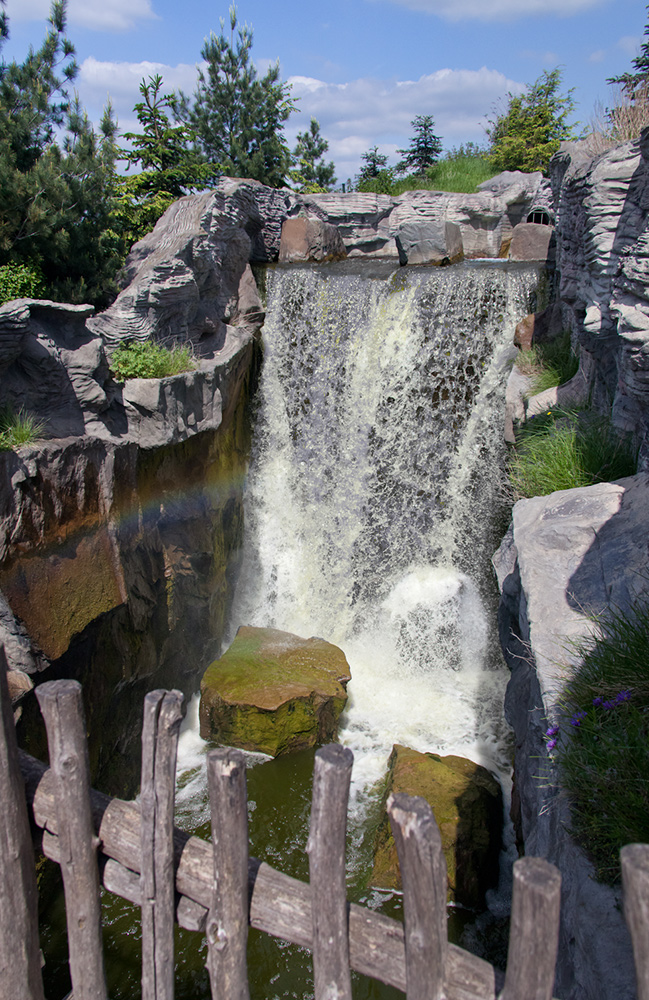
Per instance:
{"type": "Point", "coordinates": [217, 890]}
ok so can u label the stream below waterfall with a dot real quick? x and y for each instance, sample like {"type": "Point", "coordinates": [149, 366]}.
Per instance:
{"type": "Point", "coordinates": [371, 513]}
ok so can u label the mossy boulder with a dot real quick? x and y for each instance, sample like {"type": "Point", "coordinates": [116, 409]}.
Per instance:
{"type": "Point", "coordinates": [274, 692]}
{"type": "Point", "coordinates": [467, 802]}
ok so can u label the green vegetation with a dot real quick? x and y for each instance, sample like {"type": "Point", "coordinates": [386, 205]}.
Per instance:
{"type": "Point", "coordinates": [602, 742]}
{"type": "Point", "coordinates": [20, 281]}
{"type": "Point", "coordinates": [550, 364]}
{"type": "Point", "coordinates": [147, 359]}
{"type": "Point", "coordinates": [170, 167]}
{"type": "Point", "coordinates": [310, 173]}
{"type": "Point", "coordinates": [17, 429]}
{"type": "Point", "coordinates": [562, 449]}
{"type": "Point", "coordinates": [459, 170]}
{"type": "Point", "coordinates": [237, 116]}
{"type": "Point", "coordinates": [529, 130]}
{"type": "Point", "coordinates": [424, 148]}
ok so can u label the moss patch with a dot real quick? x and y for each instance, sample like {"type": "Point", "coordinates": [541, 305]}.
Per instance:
{"type": "Point", "coordinates": [467, 803]}
{"type": "Point", "coordinates": [274, 692]}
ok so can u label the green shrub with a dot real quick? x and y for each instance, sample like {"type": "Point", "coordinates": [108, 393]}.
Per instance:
{"type": "Point", "coordinates": [563, 449]}
{"type": "Point", "coordinates": [20, 281]}
{"type": "Point", "coordinates": [602, 740]}
{"type": "Point", "coordinates": [17, 429]}
{"type": "Point", "coordinates": [147, 359]}
{"type": "Point", "coordinates": [550, 364]}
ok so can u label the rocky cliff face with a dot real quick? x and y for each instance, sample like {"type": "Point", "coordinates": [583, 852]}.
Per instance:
{"type": "Point", "coordinates": [579, 552]}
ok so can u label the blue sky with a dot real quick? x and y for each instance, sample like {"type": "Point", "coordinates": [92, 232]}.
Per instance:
{"type": "Point", "coordinates": [363, 68]}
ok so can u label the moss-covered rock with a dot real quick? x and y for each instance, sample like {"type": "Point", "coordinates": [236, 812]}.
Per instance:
{"type": "Point", "coordinates": [467, 802]}
{"type": "Point", "coordinates": [274, 692]}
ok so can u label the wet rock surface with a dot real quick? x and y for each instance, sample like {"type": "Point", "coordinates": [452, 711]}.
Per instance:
{"type": "Point", "coordinates": [467, 803]}
{"type": "Point", "coordinates": [274, 692]}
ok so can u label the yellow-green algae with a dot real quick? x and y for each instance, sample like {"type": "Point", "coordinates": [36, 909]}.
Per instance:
{"type": "Point", "coordinates": [274, 692]}
{"type": "Point", "coordinates": [467, 803]}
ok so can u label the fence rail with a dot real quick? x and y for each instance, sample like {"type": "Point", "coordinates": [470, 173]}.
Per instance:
{"type": "Point", "coordinates": [217, 890]}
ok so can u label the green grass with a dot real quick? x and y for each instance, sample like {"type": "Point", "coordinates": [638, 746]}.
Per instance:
{"type": "Point", "coordinates": [17, 429]}
{"type": "Point", "coordinates": [459, 172]}
{"type": "Point", "coordinates": [563, 449]}
{"type": "Point", "coordinates": [147, 359]}
{"type": "Point", "coordinates": [549, 365]}
{"type": "Point", "coordinates": [602, 742]}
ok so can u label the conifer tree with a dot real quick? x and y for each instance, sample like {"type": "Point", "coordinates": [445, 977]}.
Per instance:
{"type": "Point", "coordinates": [170, 166]}
{"type": "Point", "coordinates": [310, 172]}
{"type": "Point", "coordinates": [424, 148]}
{"type": "Point", "coordinates": [238, 116]}
{"type": "Point", "coordinates": [55, 191]}
{"type": "Point", "coordinates": [632, 83]}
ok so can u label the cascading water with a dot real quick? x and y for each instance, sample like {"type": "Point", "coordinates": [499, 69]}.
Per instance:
{"type": "Point", "coordinates": [375, 473]}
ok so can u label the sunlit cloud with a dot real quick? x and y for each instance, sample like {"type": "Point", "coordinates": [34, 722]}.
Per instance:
{"type": "Point", "coordinates": [100, 15]}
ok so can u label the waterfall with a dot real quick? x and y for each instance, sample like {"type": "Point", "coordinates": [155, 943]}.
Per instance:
{"type": "Point", "coordinates": [376, 465]}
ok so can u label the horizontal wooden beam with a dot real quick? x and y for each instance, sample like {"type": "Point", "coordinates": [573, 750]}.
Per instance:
{"type": "Point", "coordinates": [279, 905]}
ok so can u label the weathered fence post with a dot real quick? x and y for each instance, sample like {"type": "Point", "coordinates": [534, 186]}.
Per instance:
{"type": "Point", "coordinates": [20, 964]}
{"type": "Point", "coordinates": [162, 717]}
{"type": "Point", "coordinates": [326, 849]}
{"type": "Point", "coordinates": [227, 922]}
{"type": "Point", "coordinates": [635, 880]}
{"type": "Point", "coordinates": [423, 874]}
{"type": "Point", "coordinates": [62, 709]}
{"type": "Point", "coordinates": [533, 931]}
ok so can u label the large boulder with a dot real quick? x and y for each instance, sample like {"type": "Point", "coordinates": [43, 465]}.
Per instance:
{"type": "Point", "coordinates": [467, 802]}
{"type": "Point", "coordinates": [305, 239]}
{"type": "Point", "coordinates": [274, 692]}
{"type": "Point", "coordinates": [532, 241]}
{"type": "Point", "coordinates": [429, 243]}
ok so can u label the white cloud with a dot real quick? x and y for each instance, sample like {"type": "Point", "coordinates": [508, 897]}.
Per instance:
{"type": "Point", "coordinates": [353, 116]}
{"type": "Point", "coordinates": [598, 56]}
{"type": "Point", "coordinates": [497, 10]}
{"type": "Point", "coordinates": [363, 113]}
{"type": "Point", "coordinates": [100, 15]}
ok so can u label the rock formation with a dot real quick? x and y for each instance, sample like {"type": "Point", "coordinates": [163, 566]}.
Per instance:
{"type": "Point", "coordinates": [467, 802]}
{"type": "Point", "coordinates": [274, 692]}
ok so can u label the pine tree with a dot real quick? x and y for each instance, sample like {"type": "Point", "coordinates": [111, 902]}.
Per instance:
{"type": "Point", "coordinates": [170, 167]}
{"type": "Point", "coordinates": [530, 130]}
{"type": "Point", "coordinates": [311, 173]}
{"type": "Point", "coordinates": [374, 163]}
{"type": "Point", "coordinates": [424, 148]}
{"type": "Point", "coordinates": [633, 83]}
{"type": "Point", "coordinates": [56, 174]}
{"type": "Point", "coordinates": [237, 116]}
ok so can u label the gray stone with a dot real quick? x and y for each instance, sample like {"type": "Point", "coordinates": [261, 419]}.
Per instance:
{"type": "Point", "coordinates": [429, 243]}
{"type": "Point", "coordinates": [305, 239]}
{"type": "Point", "coordinates": [568, 556]}
{"type": "Point", "coordinates": [531, 241]}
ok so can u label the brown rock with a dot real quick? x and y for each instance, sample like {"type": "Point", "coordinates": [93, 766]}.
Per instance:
{"type": "Point", "coordinates": [467, 802]}
{"type": "Point", "coordinates": [524, 332]}
{"type": "Point", "coordinates": [532, 241]}
{"type": "Point", "coordinates": [306, 239]}
{"type": "Point", "coordinates": [274, 692]}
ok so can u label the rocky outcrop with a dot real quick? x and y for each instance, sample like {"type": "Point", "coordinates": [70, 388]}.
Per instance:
{"type": "Point", "coordinates": [274, 692]}
{"type": "Point", "coordinates": [602, 252]}
{"type": "Point", "coordinates": [566, 557]}
{"type": "Point", "coordinates": [310, 240]}
{"type": "Point", "coordinates": [531, 241]}
{"type": "Point", "coordinates": [467, 802]}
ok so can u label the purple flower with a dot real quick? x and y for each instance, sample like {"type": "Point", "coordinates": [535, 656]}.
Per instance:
{"type": "Point", "coordinates": [576, 719]}
{"type": "Point", "coordinates": [552, 731]}
{"type": "Point", "coordinates": [608, 704]}
{"type": "Point", "coordinates": [552, 744]}
{"type": "Point", "coordinates": [597, 702]}
{"type": "Point", "coordinates": [623, 696]}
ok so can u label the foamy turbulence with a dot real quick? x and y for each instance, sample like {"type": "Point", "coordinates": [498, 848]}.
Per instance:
{"type": "Point", "coordinates": [369, 508]}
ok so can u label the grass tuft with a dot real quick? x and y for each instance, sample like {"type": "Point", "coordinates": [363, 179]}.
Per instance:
{"type": "Point", "coordinates": [602, 741]}
{"type": "Point", "coordinates": [562, 449]}
{"type": "Point", "coordinates": [17, 429]}
{"type": "Point", "coordinates": [549, 365]}
{"type": "Point", "coordinates": [147, 359]}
